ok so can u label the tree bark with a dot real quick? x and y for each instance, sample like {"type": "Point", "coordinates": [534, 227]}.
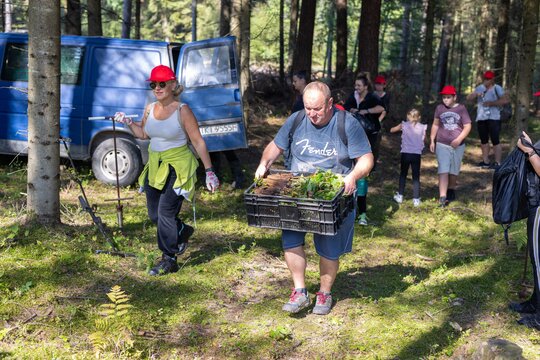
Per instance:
{"type": "Point", "coordinates": [43, 183]}
{"type": "Point", "coordinates": [137, 19]}
{"type": "Point", "coordinates": [73, 17]}
{"type": "Point", "coordinates": [330, 23]}
{"type": "Point", "coordinates": [341, 39]}
{"type": "Point", "coordinates": [193, 20]}
{"type": "Point", "coordinates": [428, 57]}
{"type": "Point", "coordinates": [94, 18]}
{"type": "Point", "coordinates": [405, 37]}
{"type": "Point", "coordinates": [444, 48]}
{"type": "Point", "coordinates": [529, 31]}
{"type": "Point", "coordinates": [304, 42]}
{"type": "Point", "coordinates": [293, 31]}
{"type": "Point", "coordinates": [502, 37]}
{"type": "Point", "coordinates": [281, 43]}
{"type": "Point", "coordinates": [516, 12]}
{"type": "Point", "coordinates": [225, 18]}
{"type": "Point", "coordinates": [368, 35]}
{"type": "Point", "coordinates": [126, 19]}
{"type": "Point", "coordinates": [241, 28]}
{"type": "Point", "coordinates": [481, 63]}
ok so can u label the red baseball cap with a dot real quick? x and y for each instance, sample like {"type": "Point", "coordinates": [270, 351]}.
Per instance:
{"type": "Point", "coordinates": [379, 79]}
{"type": "Point", "coordinates": [448, 90]}
{"type": "Point", "coordinates": [537, 93]}
{"type": "Point", "coordinates": [488, 75]}
{"type": "Point", "coordinates": [161, 73]}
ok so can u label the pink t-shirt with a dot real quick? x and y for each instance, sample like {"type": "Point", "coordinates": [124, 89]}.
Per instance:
{"type": "Point", "coordinates": [451, 122]}
{"type": "Point", "coordinates": [412, 137]}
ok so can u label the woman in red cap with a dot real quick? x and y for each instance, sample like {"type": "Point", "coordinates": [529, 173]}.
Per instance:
{"type": "Point", "coordinates": [490, 97]}
{"type": "Point", "coordinates": [169, 177]}
{"type": "Point", "coordinates": [451, 125]}
{"type": "Point", "coordinates": [380, 91]}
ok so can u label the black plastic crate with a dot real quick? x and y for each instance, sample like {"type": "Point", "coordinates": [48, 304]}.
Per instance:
{"type": "Point", "coordinates": [288, 213]}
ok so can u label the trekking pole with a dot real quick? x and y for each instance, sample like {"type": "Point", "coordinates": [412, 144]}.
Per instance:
{"type": "Point", "coordinates": [83, 200]}
{"type": "Point", "coordinates": [119, 205]}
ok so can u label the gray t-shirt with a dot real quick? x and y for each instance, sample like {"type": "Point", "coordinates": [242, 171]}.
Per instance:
{"type": "Point", "coordinates": [315, 148]}
{"type": "Point", "coordinates": [492, 94]}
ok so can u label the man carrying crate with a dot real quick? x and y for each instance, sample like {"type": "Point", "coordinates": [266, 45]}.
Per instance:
{"type": "Point", "coordinates": [316, 144]}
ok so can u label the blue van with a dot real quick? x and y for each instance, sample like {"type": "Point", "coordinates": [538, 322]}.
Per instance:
{"type": "Point", "coordinates": [100, 76]}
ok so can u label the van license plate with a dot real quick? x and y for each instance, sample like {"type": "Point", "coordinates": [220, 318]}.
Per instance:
{"type": "Point", "coordinates": [218, 129]}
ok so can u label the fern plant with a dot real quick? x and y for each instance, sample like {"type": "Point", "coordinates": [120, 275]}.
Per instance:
{"type": "Point", "coordinates": [111, 334]}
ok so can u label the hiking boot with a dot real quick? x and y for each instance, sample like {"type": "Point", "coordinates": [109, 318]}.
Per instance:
{"type": "Point", "coordinates": [443, 201]}
{"type": "Point", "coordinates": [525, 307]}
{"type": "Point", "coordinates": [416, 202]}
{"type": "Point", "coordinates": [362, 219]}
{"type": "Point", "coordinates": [323, 303]}
{"type": "Point", "coordinates": [398, 198]}
{"type": "Point", "coordinates": [184, 234]}
{"type": "Point", "coordinates": [531, 320]}
{"type": "Point", "coordinates": [297, 301]}
{"type": "Point", "coordinates": [451, 195]}
{"type": "Point", "coordinates": [165, 266]}
{"type": "Point", "coordinates": [483, 165]}
{"type": "Point", "coordinates": [495, 166]}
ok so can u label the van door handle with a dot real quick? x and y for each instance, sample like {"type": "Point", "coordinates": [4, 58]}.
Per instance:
{"type": "Point", "coordinates": [237, 94]}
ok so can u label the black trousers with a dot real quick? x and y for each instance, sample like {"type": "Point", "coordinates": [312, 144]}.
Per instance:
{"type": "Point", "coordinates": [413, 161]}
{"type": "Point", "coordinates": [533, 245]}
{"type": "Point", "coordinates": [163, 209]}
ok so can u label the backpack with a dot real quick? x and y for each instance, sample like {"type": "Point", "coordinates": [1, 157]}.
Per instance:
{"type": "Point", "coordinates": [298, 119]}
{"type": "Point", "coordinates": [513, 189]}
{"type": "Point", "coordinates": [505, 110]}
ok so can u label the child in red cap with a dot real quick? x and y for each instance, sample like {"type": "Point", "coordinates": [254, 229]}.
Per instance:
{"type": "Point", "coordinates": [451, 125]}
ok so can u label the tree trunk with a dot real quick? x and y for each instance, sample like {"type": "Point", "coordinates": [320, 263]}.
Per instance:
{"type": "Point", "coordinates": [137, 19]}
{"type": "Point", "coordinates": [444, 49]}
{"type": "Point", "coordinates": [529, 31]}
{"type": "Point", "coordinates": [428, 57]}
{"type": "Point", "coordinates": [43, 183]}
{"type": "Point", "coordinates": [94, 18]}
{"type": "Point", "coordinates": [341, 39]}
{"type": "Point", "coordinates": [330, 23]}
{"type": "Point", "coordinates": [304, 42]}
{"type": "Point", "coordinates": [405, 37]}
{"type": "Point", "coordinates": [241, 28]}
{"type": "Point", "coordinates": [126, 19]}
{"type": "Point", "coordinates": [516, 13]}
{"type": "Point", "coordinates": [193, 20]}
{"type": "Point", "coordinates": [293, 31]}
{"type": "Point", "coordinates": [73, 18]}
{"type": "Point", "coordinates": [225, 18]}
{"type": "Point", "coordinates": [502, 37]}
{"type": "Point", "coordinates": [368, 35]}
{"type": "Point", "coordinates": [281, 43]}
{"type": "Point", "coordinates": [8, 15]}
{"type": "Point", "coordinates": [481, 62]}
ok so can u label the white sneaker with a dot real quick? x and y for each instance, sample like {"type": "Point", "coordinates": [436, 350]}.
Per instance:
{"type": "Point", "coordinates": [398, 198]}
{"type": "Point", "coordinates": [416, 202]}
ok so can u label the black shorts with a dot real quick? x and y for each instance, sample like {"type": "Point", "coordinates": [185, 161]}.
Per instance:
{"type": "Point", "coordinates": [489, 129]}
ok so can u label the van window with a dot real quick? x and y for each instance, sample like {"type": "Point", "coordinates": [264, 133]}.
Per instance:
{"type": "Point", "coordinates": [208, 66]}
{"type": "Point", "coordinates": [123, 68]}
{"type": "Point", "coordinates": [16, 63]}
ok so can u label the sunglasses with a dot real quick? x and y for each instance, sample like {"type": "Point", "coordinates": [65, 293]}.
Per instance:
{"type": "Point", "coordinates": [161, 84]}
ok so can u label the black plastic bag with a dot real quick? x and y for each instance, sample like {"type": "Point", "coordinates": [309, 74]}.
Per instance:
{"type": "Point", "coordinates": [509, 198]}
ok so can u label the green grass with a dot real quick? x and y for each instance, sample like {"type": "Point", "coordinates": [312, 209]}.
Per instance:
{"type": "Point", "coordinates": [411, 275]}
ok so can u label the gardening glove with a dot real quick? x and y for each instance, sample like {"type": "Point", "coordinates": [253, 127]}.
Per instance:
{"type": "Point", "coordinates": [121, 118]}
{"type": "Point", "coordinates": [212, 181]}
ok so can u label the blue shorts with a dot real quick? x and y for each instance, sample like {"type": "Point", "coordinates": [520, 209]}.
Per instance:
{"type": "Point", "coordinates": [330, 247]}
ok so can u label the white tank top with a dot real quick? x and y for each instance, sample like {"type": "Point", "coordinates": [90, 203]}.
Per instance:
{"type": "Point", "coordinates": [165, 134]}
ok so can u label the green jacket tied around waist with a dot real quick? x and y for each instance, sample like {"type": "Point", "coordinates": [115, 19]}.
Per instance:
{"type": "Point", "coordinates": [183, 162]}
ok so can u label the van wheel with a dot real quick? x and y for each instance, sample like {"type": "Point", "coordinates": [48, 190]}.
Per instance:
{"type": "Point", "coordinates": [129, 162]}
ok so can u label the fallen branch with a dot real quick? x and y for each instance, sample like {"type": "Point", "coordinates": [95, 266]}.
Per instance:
{"type": "Point", "coordinates": [425, 258]}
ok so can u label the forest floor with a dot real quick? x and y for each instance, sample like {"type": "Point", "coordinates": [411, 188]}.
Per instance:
{"type": "Point", "coordinates": [421, 283]}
